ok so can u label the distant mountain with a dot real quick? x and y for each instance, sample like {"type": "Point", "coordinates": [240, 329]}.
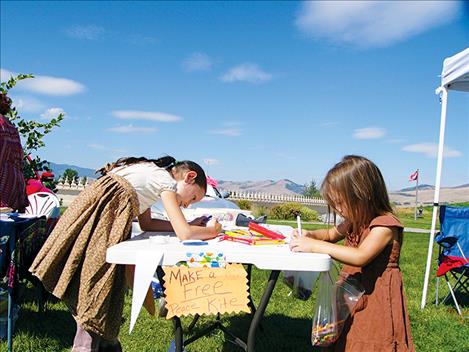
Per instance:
{"type": "Point", "coordinates": [449, 195]}
{"type": "Point", "coordinates": [421, 187]}
{"type": "Point", "coordinates": [268, 186]}
{"type": "Point", "coordinates": [462, 186]}
{"type": "Point", "coordinates": [58, 170]}
{"type": "Point", "coordinates": [283, 186]}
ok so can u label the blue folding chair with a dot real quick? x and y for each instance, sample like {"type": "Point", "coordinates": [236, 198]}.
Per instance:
{"type": "Point", "coordinates": [453, 262]}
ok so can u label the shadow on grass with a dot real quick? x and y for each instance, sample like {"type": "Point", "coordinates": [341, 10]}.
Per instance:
{"type": "Point", "coordinates": [461, 296]}
{"type": "Point", "coordinates": [276, 333]}
{"type": "Point", "coordinates": [57, 325]}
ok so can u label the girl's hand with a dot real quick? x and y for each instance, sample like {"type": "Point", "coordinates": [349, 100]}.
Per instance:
{"type": "Point", "coordinates": [200, 221]}
{"type": "Point", "coordinates": [304, 244]}
{"type": "Point", "coordinates": [296, 234]}
{"type": "Point", "coordinates": [215, 225]}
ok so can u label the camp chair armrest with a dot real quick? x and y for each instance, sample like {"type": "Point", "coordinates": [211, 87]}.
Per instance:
{"type": "Point", "coordinates": [446, 241]}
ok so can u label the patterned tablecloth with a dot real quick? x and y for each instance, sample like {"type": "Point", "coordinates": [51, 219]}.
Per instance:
{"type": "Point", "coordinates": [21, 237]}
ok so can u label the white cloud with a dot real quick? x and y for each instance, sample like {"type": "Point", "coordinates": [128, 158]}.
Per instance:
{"type": "Point", "coordinates": [197, 62]}
{"type": "Point", "coordinates": [369, 133]}
{"type": "Point", "coordinates": [27, 104]}
{"type": "Point", "coordinates": [47, 85]}
{"type": "Point", "coordinates": [372, 23]}
{"type": "Point", "coordinates": [132, 129]}
{"type": "Point", "coordinates": [106, 149]}
{"type": "Point", "coordinates": [209, 161]}
{"type": "Point", "coordinates": [230, 131]}
{"type": "Point", "coordinates": [89, 32]}
{"type": "Point", "coordinates": [52, 113]}
{"type": "Point", "coordinates": [94, 32]}
{"type": "Point", "coordinates": [430, 150]}
{"type": "Point", "coordinates": [246, 72]}
{"type": "Point", "coordinates": [146, 115]}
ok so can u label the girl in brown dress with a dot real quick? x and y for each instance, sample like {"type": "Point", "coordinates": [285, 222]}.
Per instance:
{"type": "Point", "coordinates": [354, 188]}
{"type": "Point", "coordinates": [72, 263]}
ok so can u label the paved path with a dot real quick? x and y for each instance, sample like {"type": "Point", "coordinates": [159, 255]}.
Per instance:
{"type": "Point", "coordinates": [413, 229]}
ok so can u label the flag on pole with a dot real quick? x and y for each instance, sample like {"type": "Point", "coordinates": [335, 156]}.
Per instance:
{"type": "Point", "coordinates": [414, 176]}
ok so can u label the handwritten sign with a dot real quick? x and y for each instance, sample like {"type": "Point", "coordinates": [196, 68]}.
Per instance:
{"type": "Point", "coordinates": [205, 290]}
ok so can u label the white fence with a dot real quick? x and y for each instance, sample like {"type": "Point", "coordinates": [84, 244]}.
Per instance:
{"type": "Point", "coordinates": [256, 197]}
{"type": "Point", "coordinates": [75, 185]}
{"type": "Point", "coordinates": [274, 198]}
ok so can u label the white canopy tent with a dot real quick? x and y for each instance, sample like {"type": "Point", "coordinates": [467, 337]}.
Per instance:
{"type": "Point", "coordinates": [455, 76]}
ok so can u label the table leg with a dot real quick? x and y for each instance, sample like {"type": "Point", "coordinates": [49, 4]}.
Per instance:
{"type": "Point", "coordinates": [178, 334]}
{"type": "Point", "coordinates": [193, 322]}
{"type": "Point", "coordinates": [10, 299]}
{"type": "Point", "coordinates": [261, 309]}
{"type": "Point", "coordinates": [10, 322]}
{"type": "Point", "coordinates": [250, 303]}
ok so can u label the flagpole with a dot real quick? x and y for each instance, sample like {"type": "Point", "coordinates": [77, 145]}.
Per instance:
{"type": "Point", "coordinates": [416, 194]}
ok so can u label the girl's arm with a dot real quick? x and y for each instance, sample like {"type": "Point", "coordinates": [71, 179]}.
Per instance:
{"type": "Point", "coordinates": [378, 238]}
{"type": "Point", "coordinates": [148, 224]}
{"type": "Point", "coordinates": [329, 235]}
{"type": "Point", "coordinates": [183, 230]}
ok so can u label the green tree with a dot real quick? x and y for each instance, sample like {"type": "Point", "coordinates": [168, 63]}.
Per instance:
{"type": "Point", "coordinates": [32, 132]}
{"type": "Point", "coordinates": [84, 179]}
{"type": "Point", "coordinates": [311, 190]}
{"type": "Point", "coordinates": [70, 176]}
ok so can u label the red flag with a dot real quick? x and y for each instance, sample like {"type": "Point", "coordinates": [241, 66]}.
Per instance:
{"type": "Point", "coordinates": [414, 176]}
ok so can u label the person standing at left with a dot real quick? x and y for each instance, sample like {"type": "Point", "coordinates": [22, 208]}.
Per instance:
{"type": "Point", "coordinates": [13, 195]}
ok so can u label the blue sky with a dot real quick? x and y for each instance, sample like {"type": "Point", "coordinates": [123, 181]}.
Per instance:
{"type": "Point", "coordinates": [250, 90]}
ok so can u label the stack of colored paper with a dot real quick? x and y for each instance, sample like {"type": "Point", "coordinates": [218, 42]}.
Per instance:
{"type": "Point", "coordinates": [254, 236]}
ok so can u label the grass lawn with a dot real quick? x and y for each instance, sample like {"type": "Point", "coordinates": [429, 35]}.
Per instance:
{"type": "Point", "coordinates": [286, 325]}
{"type": "Point", "coordinates": [407, 217]}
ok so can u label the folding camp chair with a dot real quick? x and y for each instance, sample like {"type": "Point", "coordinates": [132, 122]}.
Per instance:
{"type": "Point", "coordinates": [453, 239]}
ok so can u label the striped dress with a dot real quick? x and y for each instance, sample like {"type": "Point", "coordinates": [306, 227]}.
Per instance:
{"type": "Point", "coordinates": [12, 184]}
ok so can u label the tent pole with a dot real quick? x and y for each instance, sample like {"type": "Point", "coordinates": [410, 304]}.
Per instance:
{"type": "Point", "coordinates": [444, 100]}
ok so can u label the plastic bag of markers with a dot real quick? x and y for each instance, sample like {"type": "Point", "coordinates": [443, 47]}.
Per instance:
{"type": "Point", "coordinates": [334, 303]}
{"type": "Point", "coordinates": [301, 283]}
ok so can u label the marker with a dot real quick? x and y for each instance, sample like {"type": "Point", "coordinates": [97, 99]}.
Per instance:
{"type": "Point", "coordinates": [298, 221]}
{"type": "Point", "coordinates": [194, 243]}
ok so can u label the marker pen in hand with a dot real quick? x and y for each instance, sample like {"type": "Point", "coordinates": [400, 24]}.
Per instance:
{"type": "Point", "coordinates": [298, 221]}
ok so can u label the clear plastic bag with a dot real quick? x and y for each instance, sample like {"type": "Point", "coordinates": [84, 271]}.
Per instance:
{"type": "Point", "coordinates": [301, 283]}
{"type": "Point", "coordinates": [325, 331]}
{"type": "Point", "coordinates": [348, 292]}
{"type": "Point", "coordinates": [334, 304]}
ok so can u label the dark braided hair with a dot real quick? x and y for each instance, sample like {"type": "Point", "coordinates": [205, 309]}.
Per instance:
{"type": "Point", "coordinates": [166, 162]}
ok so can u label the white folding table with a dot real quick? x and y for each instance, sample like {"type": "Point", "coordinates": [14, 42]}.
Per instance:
{"type": "Point", "coordinates": [146, 255]}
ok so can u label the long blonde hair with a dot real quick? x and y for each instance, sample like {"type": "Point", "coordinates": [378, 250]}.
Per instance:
{"type": "Point", "coordinates": [357, 184]}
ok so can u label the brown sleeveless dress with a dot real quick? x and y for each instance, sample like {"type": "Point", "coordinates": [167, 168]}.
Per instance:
{"type": "Point", "coordinates": [380, 321]}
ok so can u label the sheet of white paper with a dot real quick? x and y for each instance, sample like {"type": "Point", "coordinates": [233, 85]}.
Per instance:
{"type": "Point", "coordinates": [145, 268]}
